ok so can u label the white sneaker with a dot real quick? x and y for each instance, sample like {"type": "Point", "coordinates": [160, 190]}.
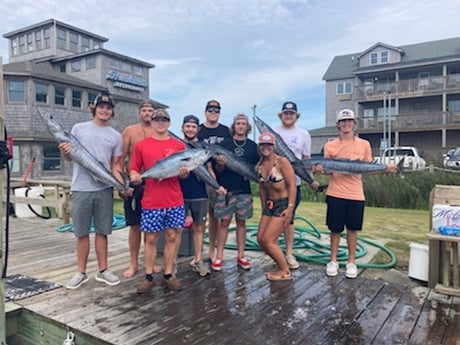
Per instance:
{"type": "Point", "coordinates": [332, 269]}
{"type": "Point", "coordinates": [352, 271]}
{"type": "Point", "coordinates": [107, 277]}
{"type": "Point", "coordinates": [292, 262]}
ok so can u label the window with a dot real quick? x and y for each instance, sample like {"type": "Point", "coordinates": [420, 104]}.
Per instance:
{"type": "Point", "coordinates": [73, 39]}
{"type": "Point", "coordinates": [61, 39]}
{"type": "Point", "coordinates": [114, 63]}
{"type": "Point", "coordinates": [51, 157]}
{"type": "Point", "coordinates": [96, 44]}
{"type": "Point", "coordinates": [38, 39]}
{"type": "Point", "coordinates": [91, 98]}
{"type": "Point", "coordinates": [76, 66]}
{"type": "Point", "coordinates": [126, 67]}
{"type": "Point", "coordinates": [14, 46]}
{"type": "Point", "coordinates": [62, 67]}
{"type": "Point", "coordinates": [46, 34]}
{"type": "Point", "coordinates": [30, 42]}
{"type": "Point", "coordinates": [15, 163]}
{"type": "Point", "coordinates": [16, 91]}
{"type": "Point", "coordinates": [22, 48]}
{"type": "Point", "coordinates": [59, 95]}
{"type": "Point", "coordinates": [384, 56]}
{"type": "Point", "coordinates": [344, 88]}
{"type": "Point", "coordinates": [85, 44]}
{"type": "Point", "coordinates": [91, 62]}
{"type": "Point", "coordinates": [41, 93]}
{"type": "Point", "coordinates": [76, 98]}
{"type": "Point", "coordinates": [373, 58]}
{"type": "Point", "coordinates": [137, 70]}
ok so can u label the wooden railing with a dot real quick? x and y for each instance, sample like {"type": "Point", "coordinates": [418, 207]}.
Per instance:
{"type": "Point", "coordinates": [57, 196]}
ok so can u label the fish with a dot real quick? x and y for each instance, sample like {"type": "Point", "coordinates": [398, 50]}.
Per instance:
{"type": "Point", "coordinates": [170, 166]}
{"type": "Point", "coordinates": [201, 172]}
{"type": "Point", "coordinates": [81, 155]}
{"type": "Point", "coordinates": [347, 166]}
{"type": "Point", "coordinates": [234, 162]}
{"type": "Point", "coordinates": [283, 149]}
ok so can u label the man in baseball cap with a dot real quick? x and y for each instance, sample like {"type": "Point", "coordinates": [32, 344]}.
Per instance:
{"type": "Point", "coordinates": [346, 114]}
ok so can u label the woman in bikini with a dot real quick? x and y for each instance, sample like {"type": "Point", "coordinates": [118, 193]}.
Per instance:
{"type": "Point", "coordinates": [277, 191]}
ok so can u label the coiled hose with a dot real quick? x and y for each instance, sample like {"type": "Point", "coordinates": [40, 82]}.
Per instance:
{"type": "Point", "coordinates": [321, 251]}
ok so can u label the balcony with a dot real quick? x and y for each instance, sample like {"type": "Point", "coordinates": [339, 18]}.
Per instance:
{"type": "Point", "coordinates": [411, 122]}
{"type": "Point", "coordinates": [408, 88]}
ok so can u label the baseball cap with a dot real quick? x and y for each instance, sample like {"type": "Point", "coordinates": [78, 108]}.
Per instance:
{"type": "Point", "coordinates": [192, 119]}
{"type": "Point", "coordinates": [241, 116]}
{"type": "Point", "coordinates": [267, 138]}
{"type": "Point", "coordinates": [104, 98]}
{"type": "Point", "coordinates": [346, 114]}
{"type": "Point", "coordinates": [161, 113]}
{"type": "Point", "coordinates": [146, 104]}
{"type": "Point", "coordinates": [289, 106]}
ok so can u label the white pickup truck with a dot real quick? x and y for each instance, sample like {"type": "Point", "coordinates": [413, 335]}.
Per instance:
{"type": "Point", "coordinates": [412, 158]}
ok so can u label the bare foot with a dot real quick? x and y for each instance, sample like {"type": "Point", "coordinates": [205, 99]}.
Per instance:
{"type": "Point", "coordinates": [157, 269]}
{"type": "Point", "coordinates": [130, 272]}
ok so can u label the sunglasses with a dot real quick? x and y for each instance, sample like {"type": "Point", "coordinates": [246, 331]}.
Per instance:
{"type": "Point", "coordinates": [160, 119]}
{"type": "Point", "coordinates": [213, 110]}
{"type": "Point", "coordinates": [289, 112]}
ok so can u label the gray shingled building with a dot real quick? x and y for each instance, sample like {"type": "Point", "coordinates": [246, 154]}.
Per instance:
{"type": "Point", "coordinates": [61, 68]}
{"type": "Point", "coordinates": [410, 94]}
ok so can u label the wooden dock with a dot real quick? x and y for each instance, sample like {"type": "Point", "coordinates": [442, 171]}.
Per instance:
{"type": "Point", "coordinates": [228, 307]}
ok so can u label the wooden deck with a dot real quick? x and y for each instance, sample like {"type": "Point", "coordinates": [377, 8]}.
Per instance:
{"type": "Point", "coordinates": [228, 307]}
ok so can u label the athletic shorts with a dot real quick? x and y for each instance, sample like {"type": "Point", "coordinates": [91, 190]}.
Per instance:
{"type": "Point", "coordinates": [92, 208]}
{"type": "Point", "coordinates": [238, 204]}
{"type": "Point", "coordinates": [198, 209]}
{"type": "Point", "coordinates": [344, 213]}
{"type": "Point", "coordinates": [132, 206]}
{"type": "Point", "coordinates": [157, 220]}
{"type": "Point", "coordinates": [274, 208]}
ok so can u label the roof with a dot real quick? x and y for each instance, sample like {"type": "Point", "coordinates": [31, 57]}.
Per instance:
{"type": "Point", "coordinates": [45, 71]}
{"type": "Point", "coordinates": [54, 22]}
{"type": "Point", "coordinates": [346, 66]}
{"type": "Point", "coordinates": [105, 52]}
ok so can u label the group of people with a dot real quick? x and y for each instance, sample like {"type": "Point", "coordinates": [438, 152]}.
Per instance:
{"type": "Point", "coordinates": [159, 207]}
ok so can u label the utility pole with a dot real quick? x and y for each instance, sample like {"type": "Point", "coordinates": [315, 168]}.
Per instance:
{"type": "Point", "coordinates": [254, 122]}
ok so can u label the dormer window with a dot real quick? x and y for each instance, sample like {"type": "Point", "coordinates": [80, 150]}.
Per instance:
{"type": "Point", "coordinates": [380, 57]}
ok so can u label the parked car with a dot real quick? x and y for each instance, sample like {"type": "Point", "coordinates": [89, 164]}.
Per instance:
{"type": "Point", "coordinates": [412, 158]}
{"type": "Point", "coordinates": [446, 156]}
{"type": "Point", "coordinates": [453, 159]}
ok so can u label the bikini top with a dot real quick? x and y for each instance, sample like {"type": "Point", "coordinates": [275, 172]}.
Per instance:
{"type": "Point", "coordinates": [273, 176]}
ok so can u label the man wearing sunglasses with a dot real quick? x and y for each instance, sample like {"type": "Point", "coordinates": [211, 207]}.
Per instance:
{"type": "Point", "coordinates": [212, 132]}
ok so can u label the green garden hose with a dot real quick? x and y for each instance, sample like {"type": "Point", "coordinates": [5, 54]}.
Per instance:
{"type": "Point", "coordinates": [321, 251]}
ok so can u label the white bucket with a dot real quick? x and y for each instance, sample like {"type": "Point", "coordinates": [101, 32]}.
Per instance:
{"type": "Point", "coordinates": [22, 210]}
{"type": "Point", "coordinates": [418, 261]}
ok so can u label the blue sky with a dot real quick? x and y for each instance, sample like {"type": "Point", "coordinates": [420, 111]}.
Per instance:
{"type": "Point", "coordinates": [241, 52]}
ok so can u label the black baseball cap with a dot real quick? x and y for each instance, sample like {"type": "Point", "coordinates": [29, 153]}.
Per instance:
{"type": "Point", "coordinates": [192, 119]}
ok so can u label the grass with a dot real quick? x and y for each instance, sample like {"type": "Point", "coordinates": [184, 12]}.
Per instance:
{"type": "Point", "coordinates": [396, 228]}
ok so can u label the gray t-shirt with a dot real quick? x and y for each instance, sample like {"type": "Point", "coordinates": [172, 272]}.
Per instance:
{"type": "Point", "coordinates": [103, 143]}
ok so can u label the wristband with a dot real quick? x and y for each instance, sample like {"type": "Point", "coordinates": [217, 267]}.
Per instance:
{"type": "Point", "coordinates": [290, 205]}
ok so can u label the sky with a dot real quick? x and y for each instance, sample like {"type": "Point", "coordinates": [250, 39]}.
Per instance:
{"type": "Point", "coordinates": [241, 52]}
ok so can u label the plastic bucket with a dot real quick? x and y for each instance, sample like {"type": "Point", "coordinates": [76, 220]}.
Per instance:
{"type": "Point", "coordinates": [22, 210]}
{"type": "Point", "coordinates": [418, 261]}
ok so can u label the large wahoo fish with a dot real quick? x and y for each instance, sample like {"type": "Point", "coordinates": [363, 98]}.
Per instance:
{"type": "Point", "coordinates": [81, 155]}
{"type": "Point", "coordinates": [202, 171]}
{"type": "Point", "coordinates": [234, 162]}
{"type": "Point", "coordinates": [282, 149]}
{"type": "Point", "coordinates": [170, 166]}
{"type": "Point", "coordinates": [344, 166]}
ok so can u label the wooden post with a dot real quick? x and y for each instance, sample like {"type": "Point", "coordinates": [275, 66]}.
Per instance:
{"type": "Point", "coordinates": [2, 255]}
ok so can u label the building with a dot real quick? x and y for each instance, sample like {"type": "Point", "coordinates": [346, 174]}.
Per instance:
{"type": "Point", "coordinates": [408, 95]}
{"type": "Point", "coordinates": [62, 68]}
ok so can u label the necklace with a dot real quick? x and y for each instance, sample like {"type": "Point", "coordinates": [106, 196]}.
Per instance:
{"type": "Point", "coordinates": [239, 148]}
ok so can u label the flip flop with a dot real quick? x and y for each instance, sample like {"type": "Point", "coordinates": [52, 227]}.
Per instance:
{"type": "Point", "coordinates": [275, 277]}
